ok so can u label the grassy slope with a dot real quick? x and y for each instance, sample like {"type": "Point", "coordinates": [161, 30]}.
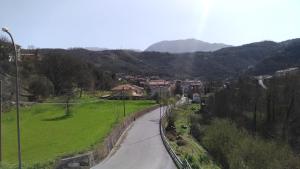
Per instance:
{"type": "Point", "coordinates": [192, 151]}
{"type": "Point", "coordinates": [44, 140]}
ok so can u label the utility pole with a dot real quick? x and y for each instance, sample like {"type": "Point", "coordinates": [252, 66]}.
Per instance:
{"type": "Point", "coordinates": [123, 101]}
{"type": "Point", "coordinates": [1, 120]}
{"type": "Point", "coordinates": [160, 102]}
{"type": "Point", "coordinates": [17, 96]}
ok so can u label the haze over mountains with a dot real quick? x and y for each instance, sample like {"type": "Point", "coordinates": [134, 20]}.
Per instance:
{"type": "Point", "coordinates": [95, 48]}
{"type": "Point", "coordinates": [185, 46]}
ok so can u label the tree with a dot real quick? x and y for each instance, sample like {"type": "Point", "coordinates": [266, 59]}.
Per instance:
{"type": "Point", "coordinates": [40, 88]}
{"type": "Point", "coordinates": [5, 51]}
{"type": "Point", "coordinates": [84, 77]}
{"type": "Point", "coordinates": [104, 80]}
{"type": "Point", "coordinates": [62, 71]}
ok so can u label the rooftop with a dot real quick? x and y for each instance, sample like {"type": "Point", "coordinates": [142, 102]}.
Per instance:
{"type": "Point", "coordinates": [126, 87]}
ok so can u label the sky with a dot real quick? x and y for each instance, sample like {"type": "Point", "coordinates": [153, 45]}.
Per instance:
{"type": "Point", "coordinates": [136, 24]}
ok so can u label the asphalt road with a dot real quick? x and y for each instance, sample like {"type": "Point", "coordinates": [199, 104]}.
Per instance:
{"type": "Point", "coordinates": [142, 147]}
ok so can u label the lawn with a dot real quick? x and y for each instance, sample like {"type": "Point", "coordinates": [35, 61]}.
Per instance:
{"type": "Point", "coordinates": [46, 133]}
{"type": "Point", "coordinates": [191, 150]}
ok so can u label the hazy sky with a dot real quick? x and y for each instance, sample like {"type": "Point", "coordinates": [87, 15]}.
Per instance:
{"type": "Point", "coordinates": [139, 23]}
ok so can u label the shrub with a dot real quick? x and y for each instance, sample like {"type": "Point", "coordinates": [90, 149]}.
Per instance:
{"type": "Point", "coordinates": [195, 126]}
{"type": "Point", "coordinates": [203, 159]}
{"type": "Point", "coordinates": [235, 149]}
{"type": "Point", "coordinates": [41, 88]}
{"type": "Point", "coordinates": [258, 154]}
{"type": "Point", "coordinates": [181, 142]}
{"type": "Point", "coordinates": [220, 138]}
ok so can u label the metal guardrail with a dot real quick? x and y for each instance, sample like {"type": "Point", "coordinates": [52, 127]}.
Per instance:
{"type": "Point", "coordinates": [176, 159]}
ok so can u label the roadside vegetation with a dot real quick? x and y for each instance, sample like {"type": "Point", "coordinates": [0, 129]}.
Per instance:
{"type": "Point", "coordinates": [234, 148]}
{"type": "Point", "coordinates": [48, 132]}
{"type": "Point", "coordinates": [245, 126]}
{"type": "Point", "coordinates": [272, 113]}
{"type": "Point", "coordinates": [185, 146]}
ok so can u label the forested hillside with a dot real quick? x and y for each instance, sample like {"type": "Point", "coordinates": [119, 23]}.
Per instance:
{"type": "Point", "coordinates": [289, 56]}
{"type": "Point", "coordinates": [244, 125]}
{"type": "Point", "coordinates": [272, 113]}
{"type": "Point", "coordinates": [221, 64]}
{"type": "Point", "coordinates": [99, 67]}
{"type": "Point", "coordinates": [54, 74]}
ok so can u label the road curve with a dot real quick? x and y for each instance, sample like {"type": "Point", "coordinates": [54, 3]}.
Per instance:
{"type": "Point", "coordinates": [142, 147]}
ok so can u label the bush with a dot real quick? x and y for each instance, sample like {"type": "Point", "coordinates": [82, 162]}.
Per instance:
{"type": "Point", "coordinates": [235, 149]}
{"type": "Point", "coordinates": [171, 121]}
{"type": "Point", "coordinates": [195, 126]}
{"type": "Point", "coordinates": [181, 142]}
{"type": "Point", "coordinates": [203, 159]}
{"type": "Point", "coordinates": [41, 88]}
{"type": "Point", "coordinates": [220, 138]}
{"type": "Point", "coordinates": [258, 154]}
{"type": "Point", "coordinates": [191, 161]}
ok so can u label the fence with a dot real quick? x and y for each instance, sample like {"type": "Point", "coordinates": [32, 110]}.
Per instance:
{"type": "Point", "coordinates": [179, 163]}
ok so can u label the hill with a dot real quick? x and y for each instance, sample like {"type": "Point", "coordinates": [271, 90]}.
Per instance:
{"type": "Point", "coordinates": [221, 64]}
{"type": "Point", "coordinates": [255, 58]}
{"type": "Point", "coordinates": [288, 56]}
{"type": "Point", "coordinates": [185, 46]}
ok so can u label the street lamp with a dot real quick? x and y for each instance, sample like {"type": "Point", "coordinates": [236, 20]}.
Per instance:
{"type": "Point", "coordinates": [17, 95]}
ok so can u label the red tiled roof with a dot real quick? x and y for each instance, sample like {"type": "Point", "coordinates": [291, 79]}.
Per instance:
{"type": "Point", "coordinates": [126, 87]}
{"type": "Point", "coordinates": [158, 82]}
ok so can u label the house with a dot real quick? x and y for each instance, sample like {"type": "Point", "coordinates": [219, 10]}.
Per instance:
{"type": "Point", "coordinates": [196, 98]}
{"type": "Point", "coordinates": [127, 91]}
{"type": "Point", "coordinates": [159, 87]}
{"type": "Point", "coordinates": [30, 55]}
{"type": "Point", "coordinates": [192, 86]}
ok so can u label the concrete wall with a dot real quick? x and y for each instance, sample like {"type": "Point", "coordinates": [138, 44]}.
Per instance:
{"type": "Point", "coordinates": [89, 159]}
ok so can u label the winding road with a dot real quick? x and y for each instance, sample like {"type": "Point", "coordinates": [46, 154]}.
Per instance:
{"type": "Point", "coordinates": [142, 147]}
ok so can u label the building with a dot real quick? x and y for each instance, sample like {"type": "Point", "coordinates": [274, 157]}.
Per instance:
{"type": "Point", "coordinates": [30, 55]}
{"type": "Point", "coordinates": [192, 86]}
{"type": "Point", "coordinates": [196, 98]}
{"type": "Point", "coordinates": [128, 91]}
{"type": "Point", "coordinates": [158, 87]}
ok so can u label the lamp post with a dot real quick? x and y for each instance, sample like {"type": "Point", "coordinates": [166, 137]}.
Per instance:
{"type": "Point", "coordinates": [17, 95]}
{"type": "Point", "coordinates": [123, 98]}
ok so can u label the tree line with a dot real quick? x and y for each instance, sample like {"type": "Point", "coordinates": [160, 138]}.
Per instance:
{"type": "Point", "coordinates": [273, 113]}
{"type": "Point", "coordinates": [244, 125]}
{"type": "Point", "coordinates": [58, 74]}
{"type": "Point", "coordinates": [53, 74]}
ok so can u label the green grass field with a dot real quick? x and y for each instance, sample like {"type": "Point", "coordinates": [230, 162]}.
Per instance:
{"type": "Point", "coordinates": [46, 133]}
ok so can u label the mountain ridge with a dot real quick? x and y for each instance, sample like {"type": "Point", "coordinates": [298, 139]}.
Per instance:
{"type": "Point", "coordinates": [185, 46]}
{"type": "Point", "coordinates": [253, 59]}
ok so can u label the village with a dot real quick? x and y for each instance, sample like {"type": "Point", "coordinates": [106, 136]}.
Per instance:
{"type": "Point", "coordinates": [153, 87]}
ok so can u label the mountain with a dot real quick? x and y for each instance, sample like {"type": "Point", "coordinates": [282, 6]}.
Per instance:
{"type": "Point", "coordinates": [95, 48]}
{"type": "Point", "coordinates": [224, 63]}
{"type": "Point", "coordinates": [102, 49]}
{"type": "Point", "coordinates": [288, 55]}
{"type": "Point", "coordinates": [185, 46]}
{"type": "Point", "coordinates": [255, 58]}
